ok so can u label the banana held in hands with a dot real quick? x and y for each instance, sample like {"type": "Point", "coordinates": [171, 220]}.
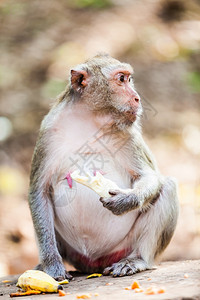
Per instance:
{"type": "Point", "coordinates": [39, 281]}
{"type": "Point", "coordinates": [97, 183]}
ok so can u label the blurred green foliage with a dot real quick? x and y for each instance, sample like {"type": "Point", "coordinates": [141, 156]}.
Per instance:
{"type": "Point", "coordinates": [91, 3]}
{"type": "Point", "coordinates": [13, 8]}
{"type": "Point", "coordinates": [53, 88]}
{"type": "Point", "coordinates": [193, 80]}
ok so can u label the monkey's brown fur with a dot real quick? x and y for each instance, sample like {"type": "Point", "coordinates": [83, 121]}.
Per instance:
{"type": "Point", "coordinates": [98, 116]}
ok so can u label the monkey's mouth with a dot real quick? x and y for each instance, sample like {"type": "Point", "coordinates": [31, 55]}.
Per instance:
{"type": "Point", "coordinates": [127, 114]}
{"type": "Point", "coordinates": [131, 115]}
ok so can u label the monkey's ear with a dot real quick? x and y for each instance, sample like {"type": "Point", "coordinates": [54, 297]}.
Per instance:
{"type": "Point", "coordinates": [79, 79]}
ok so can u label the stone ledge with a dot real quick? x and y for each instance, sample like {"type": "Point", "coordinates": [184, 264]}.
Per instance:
{"type": "Point", "coordinates": [169, 275]}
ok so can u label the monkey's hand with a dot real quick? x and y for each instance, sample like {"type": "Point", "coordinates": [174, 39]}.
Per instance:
{"type": "Point", "coordinates": [55, 269]}
{"type": "Point", "coordinates": [120, 203]}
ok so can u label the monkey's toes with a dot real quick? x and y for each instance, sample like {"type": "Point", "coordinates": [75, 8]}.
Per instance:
{"type": "Point", "coordinates": [122, 268]}
{"type": "Point", "coordinates": [107, 271]}
{"type": "Point", "coordinates": [126, 267]}
{"type": "Point", "coordinates": [66, 276]}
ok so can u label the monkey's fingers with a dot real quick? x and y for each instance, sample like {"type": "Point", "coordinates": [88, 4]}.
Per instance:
{"type": "Point", "coordinates": [112, 203]}
{"type": "Point", "coordinates": [67, 276]}
{"type": "Point", "coordinates": [121, 203]}
{"type": "Point", "coordinates": [118, 204]}
{"type": "Point", "coordinates": [114, 192]}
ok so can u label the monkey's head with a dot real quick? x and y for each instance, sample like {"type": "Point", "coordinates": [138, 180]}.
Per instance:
{"type": "Point", "coordinates": [106, 86]}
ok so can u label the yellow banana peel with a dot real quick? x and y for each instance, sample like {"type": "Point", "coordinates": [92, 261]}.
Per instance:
{"type": "Point", "coordinates": [94, 275]}
{"type": "Point", "coordinates": [39, 281]}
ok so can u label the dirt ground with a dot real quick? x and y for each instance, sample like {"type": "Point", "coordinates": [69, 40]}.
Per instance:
{"type": "Point", "coordinates": [181, 280]}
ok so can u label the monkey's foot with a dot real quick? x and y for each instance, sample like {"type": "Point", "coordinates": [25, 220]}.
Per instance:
{"type": "Point", "coordinates": [57, 272]}
{"type": "Point", "coordinates": [126, 267]}
{"type": "Point", "coordinates": [120, 203]}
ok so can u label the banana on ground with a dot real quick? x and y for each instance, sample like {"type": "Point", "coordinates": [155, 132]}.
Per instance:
{"type": "Point", "coordinates": [39, 281]}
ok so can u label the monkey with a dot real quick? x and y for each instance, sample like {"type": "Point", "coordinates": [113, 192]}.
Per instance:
{"type": "Point", "coordinates": [95, 125]}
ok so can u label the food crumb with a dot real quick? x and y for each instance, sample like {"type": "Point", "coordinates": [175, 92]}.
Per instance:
{"type": "Point", "coordinates": [61, 293]}
{"type": "Point", "coordinates": [150, 291]}
{"type": "Point", "coordinates": [186, 275]}
{"type": "Point", "coordinates": [135, 285]}
{"type": "Point", "coordinates": [6, 281]}
{"type": "Point", "coordinates": [109, 283]}
{"type": "Point", "coordinates": [127, 288]}
{"type": "Point", "coordinates": [149, 279]}
{"type": "Point", "coordinates": [84, 296]}
{"type": "Point", "coordinates": [154, 290]}
{"type": "Point", "coordinates": [161, 291]}
{"type": "Point", "coordinates": [96, 294]}
{"type": "Point", "coordinates": [138, 290]}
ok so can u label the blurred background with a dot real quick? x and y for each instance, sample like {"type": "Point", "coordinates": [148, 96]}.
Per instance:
{"type": "Point", "coordinates": [41, 40]}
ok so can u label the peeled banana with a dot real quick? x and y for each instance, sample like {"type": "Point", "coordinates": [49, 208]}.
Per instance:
{"type": "Point", "coordinates": [97, 183]}
{"type": "Point", "coordinates": [39, 281]}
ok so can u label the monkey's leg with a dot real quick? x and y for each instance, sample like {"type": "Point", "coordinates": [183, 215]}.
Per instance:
{"type": "Point", "coordinates": [151, 233]}
{"type": "Point", "coordinates": [43, 220]}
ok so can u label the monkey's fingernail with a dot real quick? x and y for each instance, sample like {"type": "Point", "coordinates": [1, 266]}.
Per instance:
{"type": "Point", "coordinates": [112, 193]}
{"type": "Point", "coordinates": [106, 271]}
{"type": "Point", "coordinates": [69, 179]}
{"type": "Point", "coordinates": [68, 276]}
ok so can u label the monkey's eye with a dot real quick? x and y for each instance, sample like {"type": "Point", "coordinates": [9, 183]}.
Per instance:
{"type": "Point", "coordinates": [122, 77]}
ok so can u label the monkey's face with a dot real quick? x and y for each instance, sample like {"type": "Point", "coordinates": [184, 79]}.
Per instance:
{"type": "Point", "coordinates": [106, 86]}
{"type": "Point", "coordinates": [124, 98]}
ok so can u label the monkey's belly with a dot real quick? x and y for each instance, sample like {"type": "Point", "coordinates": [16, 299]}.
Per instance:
{"type": "Point", "coordinates": [87, 227]}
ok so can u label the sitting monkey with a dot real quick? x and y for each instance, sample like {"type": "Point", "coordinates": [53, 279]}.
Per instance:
{"type": "Point", "coordinates": [95, 126]}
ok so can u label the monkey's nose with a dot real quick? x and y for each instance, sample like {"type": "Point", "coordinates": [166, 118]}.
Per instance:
{"type": "Point", "coordinates": [137, 99]}
{"type": "Point", "coordinates": [134, 102]}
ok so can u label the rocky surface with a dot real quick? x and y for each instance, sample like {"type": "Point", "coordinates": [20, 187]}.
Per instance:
{"type": "Point", "coordinates": [180, 280]}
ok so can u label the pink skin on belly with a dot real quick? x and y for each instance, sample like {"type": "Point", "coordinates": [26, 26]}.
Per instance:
{"type": "Point", "coordinates": [101, 262]}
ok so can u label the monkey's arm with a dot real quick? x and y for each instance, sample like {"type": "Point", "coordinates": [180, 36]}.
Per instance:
{"type": "Point", "coordinates": [145, 190]}
{"type": "Point", "coordinates": [43, 218]}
